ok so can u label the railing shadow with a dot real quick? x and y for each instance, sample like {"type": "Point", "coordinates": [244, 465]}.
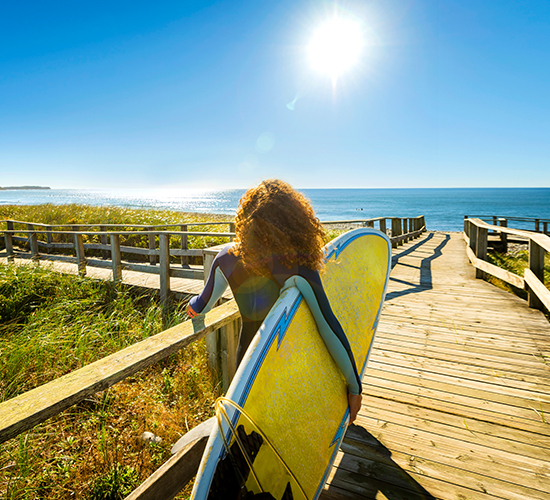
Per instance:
{"type": "Point", "coordinates": [367, 469]}
{"type": "Point", "coordinates": [425, 282]}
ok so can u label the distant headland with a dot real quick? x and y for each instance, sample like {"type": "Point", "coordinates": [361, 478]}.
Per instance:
{"type": "Point", "coordinates": [23, 187]}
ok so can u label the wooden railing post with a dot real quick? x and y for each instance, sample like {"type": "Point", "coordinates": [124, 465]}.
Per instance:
{"type": "Point", "coordinates": [152, 246]}
{"type": "Point", "coordinates": [405, 229]}
{"type": "Point", "coordinates": [116, 258]}
{"type": "Point", "coordinates": [184, 245]}
{"type": "Point", "coordinates": [536, 265]}
{"type": "Point", "coordinates": [396, 231]}
{"type": "Point", "coordinates": [164, 261]}
{"type": "Point", "coordinates": [103, 239]}
{"type": "Point", "coordinates": [212, 338]}
{"type": "Point", "coordinates": [472, 234]}
{"type": "Point", "coordinates": [466, 223]}
{"type": "Point", "coordinates": [49, 239]}
{"type": "Point", "coordinates": [383, 225]}
{"type": "Point", "coordinates": [80, 257]}
{"type": "Point", "coordinates": [545, 227]}
{"type": "Point", "coordinates": [33, 242]}
{"type": "Point", "coordinates": [481, 247]}
{"type": "Point", "coordinates": [8, 237]}
{"type": "Point", "coordinates": [504, 236]}
{"type": "Point", "coordinates": [228, 339]}
{"type": "Point", "coordinates": [537, 225]}
{"type": "Point", "coordinates": [232, 230]}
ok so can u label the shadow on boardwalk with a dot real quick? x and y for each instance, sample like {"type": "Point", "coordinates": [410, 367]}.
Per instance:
{"type": "Point", "coordinates": [425, 282]}
{"type": "Point", "coordinates": [368, 465]}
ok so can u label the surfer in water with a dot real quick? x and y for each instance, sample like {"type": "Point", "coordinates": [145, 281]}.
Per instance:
{"type": "Point", "coordinates": [279, 242]}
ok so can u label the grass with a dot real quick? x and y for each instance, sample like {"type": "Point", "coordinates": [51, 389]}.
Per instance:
{"type": "Point", "coordinates": [52, 324]}
{"type": "Point", "coordinates": [516, 262]}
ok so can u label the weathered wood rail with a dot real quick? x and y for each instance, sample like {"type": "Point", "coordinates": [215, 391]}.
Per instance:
{"type": "Point", "coordinates": [476, 234]}
{"type": "Point", "coordinates": [41, 236]}
{"type": "Point", "coordinates": [220, 326]}
{"type": "Point", "coordinates": [538, 224]}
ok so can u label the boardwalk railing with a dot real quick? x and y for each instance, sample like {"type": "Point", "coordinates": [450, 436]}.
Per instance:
{"type": "Point", "coordinates": [41, 236]}
{"type": "Point", "coordinates": [220, 326]}
{"type": "Point", "coordinates": [400, 229]}
{"type": "Point", "coordinates": [476, 234]}
{"type": "Point", "coordinates": [538, 224]}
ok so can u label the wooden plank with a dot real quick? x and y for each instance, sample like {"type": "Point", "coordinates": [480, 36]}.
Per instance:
{"type": "Point", "coordinates": [170, 478]}
{"type": "Point", "coordinates": [33, 242]}
{"type": "Point", "coordinates": [465, 380]}
{"type": "Point", "coordinates": [8, 238]}
{"type": "Point", "coordinates": [25, 411]}
{"type": "Point", "coordinates": [458, 335]}
{"type": "Point", "coordinates": [538, 288]}
{"type": "Point", "coordinates": [467, 429]}
{"type": "Point", "coordinates": [468, 356]}
{"type": "Point", "coordinates": [80, 255]}
{"type": "Point", "coordinates": [357, 455]}
{"type": "Point", "coordinates": [184, 260]}
{"type": "Point", "coordinates": [164, 260]}
{"type": "Point", "coordinates": [426, 399]}
{"type": "Point", "coordinates": [115, 257]}
{"type": "Point", "coordinates": [506, 378]}
{"type": "Point", "coordinates": [152, 246]}
{"type": "Point", "coordinates": [461, 454]}
{"type": "Point", "coordinates": [467, 396]}
{"type": "Point", "coordinates": [104, 241]}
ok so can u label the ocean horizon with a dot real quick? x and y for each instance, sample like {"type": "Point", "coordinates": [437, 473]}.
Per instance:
{"type": "Point", "coordinates": [444, 208]}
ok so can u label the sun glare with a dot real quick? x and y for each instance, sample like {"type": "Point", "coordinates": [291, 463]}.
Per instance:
{"type": "Point", "coordinates": [336, 46]}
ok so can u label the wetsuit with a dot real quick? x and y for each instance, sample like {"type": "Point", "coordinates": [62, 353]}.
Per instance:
{"type": "Point", "coordinates": [256, 295]}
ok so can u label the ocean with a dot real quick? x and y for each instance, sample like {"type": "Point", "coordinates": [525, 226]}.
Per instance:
{"type": "Point", "coordinates": [444, 209]}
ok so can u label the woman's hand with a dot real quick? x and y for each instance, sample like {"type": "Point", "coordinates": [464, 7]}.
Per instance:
{"type": "Point", "coordinates": [354, 401]}
{"type": "Point", "coordinates": [190, 312]}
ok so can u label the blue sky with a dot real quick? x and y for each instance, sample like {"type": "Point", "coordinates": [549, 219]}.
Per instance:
{"type": "Point", "coordinates": [194, 94]}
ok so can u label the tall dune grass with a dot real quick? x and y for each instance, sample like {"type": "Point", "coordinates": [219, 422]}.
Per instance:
{"type": "Point", "coordinates": [51, 324]}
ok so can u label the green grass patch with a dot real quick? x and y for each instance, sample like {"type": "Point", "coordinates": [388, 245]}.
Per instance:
{"type": "Point", "coordinates": [516, 262]}
{"type": "Point", "coordinates": [52, 324]}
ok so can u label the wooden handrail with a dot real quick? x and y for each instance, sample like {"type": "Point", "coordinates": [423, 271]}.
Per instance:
{"type": "Point", "coordinates": [121, 233]}
{"type": "Point", "coordinates": [541, 239]}
{"type": "Point", "coordinates": [26, 410]}
{"type": "Point", "coordinates": [507, 217]}
{"type": "Point", "coordinates": [476, 235]}
{"type": "Point", "coordinates": [100, 224]}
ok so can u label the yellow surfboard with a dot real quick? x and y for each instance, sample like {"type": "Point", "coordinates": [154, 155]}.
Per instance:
{"type": "Point", "coordinates": [286, 412]}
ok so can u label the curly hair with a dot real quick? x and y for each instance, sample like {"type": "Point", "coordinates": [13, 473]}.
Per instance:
{"type": "Point", "coordinates": [274, 219]}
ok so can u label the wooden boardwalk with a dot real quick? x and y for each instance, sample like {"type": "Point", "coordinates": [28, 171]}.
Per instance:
{"type": "Point", "coordinates": [456, 398]}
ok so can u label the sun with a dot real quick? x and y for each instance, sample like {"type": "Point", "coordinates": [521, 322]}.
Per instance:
{"type": "Point", "coordinates": [336, 46]}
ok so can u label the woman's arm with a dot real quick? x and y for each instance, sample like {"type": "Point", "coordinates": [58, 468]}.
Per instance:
{"type": "Point", "coordinates": [212, 292]}
{"type": "Point", "coordinates": [332, 333]}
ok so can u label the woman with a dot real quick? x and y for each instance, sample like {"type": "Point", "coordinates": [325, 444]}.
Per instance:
{"type": "Point", "coordinates": [279, 241]}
